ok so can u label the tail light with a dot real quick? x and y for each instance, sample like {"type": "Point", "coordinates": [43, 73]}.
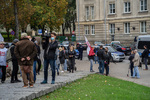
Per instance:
{"type": "Point", "coordinates": [130, 48]}
{"type": "Point", "coordinates": [123, 48]}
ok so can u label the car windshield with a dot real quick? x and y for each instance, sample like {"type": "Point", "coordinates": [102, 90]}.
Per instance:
{"type": "Point", "coordinates": [142, 43]}
{"type": "Point", "coordinates": [111, 49]}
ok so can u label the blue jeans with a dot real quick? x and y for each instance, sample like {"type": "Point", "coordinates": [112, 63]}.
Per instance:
{"type": "Point", "coordinates": [145, 61]}
{"type": "Point", "coordinates": [136, 72]}
{"type": "Point", "coordinates": [95, 59]}
{"type": "Point", "coordinates": [52, 64]}
{"type": "Point", "coordinates": [34, 70]}
{"type": "Point", "coordinates": [65, 64]}
{"type": "Point", "coordinates": [91, 64]}
{"type": "Point", "coordinates": [101, 66]}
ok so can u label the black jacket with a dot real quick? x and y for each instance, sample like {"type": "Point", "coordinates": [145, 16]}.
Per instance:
{"type": "Point", "coordinates": [62, 57]}
{"type": "Point", "coordinates": [131, 58]}
{"type": "Point", "coordinates": [80, 49]}
{"type": "Point", "coordinates": [145, 53]}
{"type": "Point", "coordinates": [100, 54]}
{"type": "Point", "coordinates": [12, 53]}
{"type": "Point", "coordinates": [38, 53]}
{"type": "Point", "coordinates": [49, 49]}
{"type": "Point", "coordinates": [107, 57]}
{"type": "Point", "coordinates": [71, 53]}
{"type": "Point", "coordinates": [91, 57]}
{"type": "Point", "coordinates": [96, 50]}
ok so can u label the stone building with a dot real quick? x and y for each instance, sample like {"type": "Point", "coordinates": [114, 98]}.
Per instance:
{"type": "Point", "coordinates": [108, 20]}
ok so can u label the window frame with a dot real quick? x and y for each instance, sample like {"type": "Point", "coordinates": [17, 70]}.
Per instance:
{"type": "Point", "coordinates": [143, 28]}
{"type": "Point", "coordinates": [144, 6]}
{"type": "Point", "coordinates": [112, 9]}
{"type": "Point", "coordinates": [127, 28]}
{"type": "Point", "coordinates": [112, 28]}
{"type": "Point", "coordinates": [128, 7]}
{"type": "Point", "coordinates": [92, 12]}
{"type": "Point", "coordinates": [87, 13]}
{"type": "Point", "coordinates": [86, 29]}
{"type": "Point", "coordinates": [92, 29]}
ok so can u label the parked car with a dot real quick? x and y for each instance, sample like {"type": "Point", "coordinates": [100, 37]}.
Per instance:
{"type": "Point", "coordinates": [98, 43]}
{"type": "Point", "coordinates": [122, 48]}
{"type": "Point", "coordinates": [65, 43]}
{"type": "Point", "coordinates": [116, 55]}
{"type": "Point", "coordinates": [115, 42]}
{"type": "Point", "coordinates": [83, 43]}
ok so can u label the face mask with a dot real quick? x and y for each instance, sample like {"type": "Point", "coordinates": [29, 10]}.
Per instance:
{"type": "Point", "coordinates": [52, 38]}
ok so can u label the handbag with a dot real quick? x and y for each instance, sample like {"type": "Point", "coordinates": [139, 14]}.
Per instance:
{"type": "Point", "coordinates": [27, 69]}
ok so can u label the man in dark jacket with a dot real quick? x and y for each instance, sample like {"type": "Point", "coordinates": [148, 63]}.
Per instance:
{"type": "Point", "coordinates": [101, 58]}
{"type": "Point", "coordinates": [80, 51]}
{"type": "Point", "coordinates": [14, 62]}
{"type": "Point", "coordinates": [145, 56]}
{"type": "Point", "coordinates": [49, 46]}
{"type": "Point", "coordinates": [25, 52]}
{"type": "Point", "coordinates": [107, 60]}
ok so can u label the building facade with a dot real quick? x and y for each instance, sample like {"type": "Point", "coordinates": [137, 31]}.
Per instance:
{"type": "Point", "coordinates": [108, 20]}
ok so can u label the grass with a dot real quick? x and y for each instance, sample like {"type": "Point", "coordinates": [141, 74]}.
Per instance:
{"type": "Point", "coordinates": [98, 87]}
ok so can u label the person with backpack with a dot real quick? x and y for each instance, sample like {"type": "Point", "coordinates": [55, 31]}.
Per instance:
{"type": "Point", "coordinates": [91, 58]}
{"type": "Point", "coordinates": [14, 77]}
{"type": "Point", "coordinates": [3, 53]}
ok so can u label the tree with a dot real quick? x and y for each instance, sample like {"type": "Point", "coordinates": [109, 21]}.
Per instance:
{"type": "Point", "coordinates": [6, 15]}
{"type": "Point", "coordinates": [70, 16]}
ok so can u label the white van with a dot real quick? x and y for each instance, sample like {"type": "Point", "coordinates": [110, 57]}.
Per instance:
{"type": "Point", "coordinates": [141, 41]}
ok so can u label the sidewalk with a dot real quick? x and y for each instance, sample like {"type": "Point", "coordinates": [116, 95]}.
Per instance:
{"type": "Point", "coordinates": [9, 91]}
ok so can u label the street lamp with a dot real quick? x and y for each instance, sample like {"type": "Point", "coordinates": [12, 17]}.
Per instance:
{"type": "Point", "coordinates": [78, 20]}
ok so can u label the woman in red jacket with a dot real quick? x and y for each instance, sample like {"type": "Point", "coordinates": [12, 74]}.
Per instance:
{"type": "Point", "coordinates": [91, 58]}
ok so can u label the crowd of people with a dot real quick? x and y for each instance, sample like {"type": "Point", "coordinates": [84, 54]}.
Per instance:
{"type": "Point", "coordinates": [26, 54]}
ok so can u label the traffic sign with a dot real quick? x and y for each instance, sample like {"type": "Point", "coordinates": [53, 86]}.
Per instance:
{"type": "Point", "coordinates": [40, 32]}
{"type": "Point", "coordinates": [12, 33]}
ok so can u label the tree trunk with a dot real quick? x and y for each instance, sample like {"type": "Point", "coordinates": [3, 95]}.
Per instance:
{"type": "Point", "coordinates": [16, 20]}
{"type": "Point", "coordinates": [74, 26]}
{"type": "Point", "coordinates": [70, 30]}
{"type": "Point", "coordinates": [63, 29]}
{"type": "Point", "coordinates": [8, 34]}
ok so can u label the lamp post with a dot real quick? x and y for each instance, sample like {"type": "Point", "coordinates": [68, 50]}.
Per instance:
{"type": "Point", "coordinates": [105, 22]}
{"type": "Point", "coordinates": [78, 20]}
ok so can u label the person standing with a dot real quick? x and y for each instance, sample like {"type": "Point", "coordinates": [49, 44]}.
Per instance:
{"type": "Point", "coordinates": [91, 58]}
{"type": "Point", "coordinates": [66, 56]}
{"type": "Point", "coordinates": [61, 58]}
{"type": "Point", "coordinates": [145, 56]}
{"type": "Point", "coordinates": [14, 77]}
{"type": "Point", "coordinates": [136, 61]}
{"type": "Point", "coordinates": [57, 62]}
{"type": "Point", "coordinates": [71, 54]}
{"type": "Point", "coordinates": [95, 51]}
{"type": "Point", "coordinates": [131, 63]}
{"type": "Point", "coordinates": [107, 60]}
{"type": "Point", "coordinates": [49, 45]}
{"type": "Point", "coordinates": [80, 52]}
{"type": "Point", "coordinates": [100, 55]}
{"type": "Point", "coordinates": [25, 52]}
{"type": "Point", "coordinates": [3, 54]}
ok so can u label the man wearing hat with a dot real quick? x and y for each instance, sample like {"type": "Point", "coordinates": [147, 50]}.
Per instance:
{"type": "Point", "coordinates": [25, 52]}
{"type": "Point", "coordinates": [14, 77]}
{"type": "Point", "coordinates": [3, 53]}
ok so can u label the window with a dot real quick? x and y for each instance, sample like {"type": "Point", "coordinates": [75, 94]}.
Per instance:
{"type": "Point", "coordinates": [127, 28]}
{"type": "Point", "coordinates": [92, 12]}
{"type": "Point", "coordinates": [143, 5]}
{"type": "Point", "coordinates": [87, 13]}
{"type": "Point", "coordinates": [112, 8]}
{"type": "Point", "coordinates": [127, 7]}
{"type": "Point", "coordinates": [143, 27]}
{"type": "Point", "coordinates": [86, 29]}
{"type": "Point", "coordinates": [112, 28]}
{"type": "Point", "coordinates": [92, 29]}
